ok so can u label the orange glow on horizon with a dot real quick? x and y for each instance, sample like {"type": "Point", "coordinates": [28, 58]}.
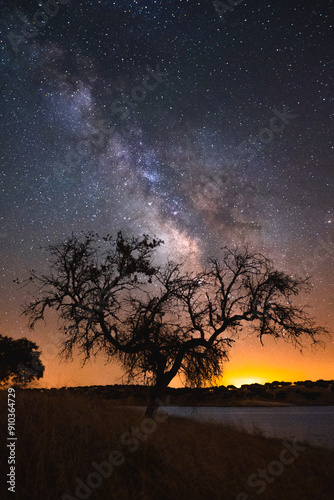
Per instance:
{"type": "Point", "coordinates": [237, 372]}
{"type": "Point", "coordinates": [249, 362]}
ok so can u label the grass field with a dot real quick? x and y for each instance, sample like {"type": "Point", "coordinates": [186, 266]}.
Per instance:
{"type": "Point", "coordinates": [59, 436]}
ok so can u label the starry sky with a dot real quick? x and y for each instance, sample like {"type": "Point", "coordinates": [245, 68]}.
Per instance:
{"type": "Point", "coordinates": [201, 124]}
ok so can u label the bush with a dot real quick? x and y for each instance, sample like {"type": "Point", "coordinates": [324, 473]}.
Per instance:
{"type": "Point", "coordinates": [311, 395]}
{"type": "Point", "coordinates": [281, 395]}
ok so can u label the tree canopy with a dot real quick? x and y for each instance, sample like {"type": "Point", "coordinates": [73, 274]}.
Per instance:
{"type": "Point", "coordinates": [160, 321]}
{"type": "Point", "coordinates": [19, 361]}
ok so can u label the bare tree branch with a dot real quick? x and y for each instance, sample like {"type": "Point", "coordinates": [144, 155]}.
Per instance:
{"type": "Point", "coordinates": [158, 322]}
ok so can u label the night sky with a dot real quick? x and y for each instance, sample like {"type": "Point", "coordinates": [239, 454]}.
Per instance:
{"type": "Point", "coordinates": [173, 118]}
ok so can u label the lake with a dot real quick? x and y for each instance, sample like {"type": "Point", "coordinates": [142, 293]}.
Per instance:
{"type": "Point", "coordinates": [313, 424]}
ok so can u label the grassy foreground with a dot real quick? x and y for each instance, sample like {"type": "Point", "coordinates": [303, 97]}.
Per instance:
{"type": "Point", "coordinates": [59, 436]}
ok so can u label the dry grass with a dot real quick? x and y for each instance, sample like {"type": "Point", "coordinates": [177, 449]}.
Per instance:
{"type": "Point", "coordinates": [60, 435]}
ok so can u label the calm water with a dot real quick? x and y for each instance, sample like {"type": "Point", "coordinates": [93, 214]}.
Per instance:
{"type": "Point", "coordinates": [313, 424]}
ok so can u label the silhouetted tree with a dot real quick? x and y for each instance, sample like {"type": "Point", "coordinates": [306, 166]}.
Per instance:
{"type": "Point", "coordinates": [281, 395]}
{"type": "Point", "coordinates": [160, 322]}
{"type": "Point", "coordinates": [19, 361]}
{"type": "Point", "coordinates": [322, 383]}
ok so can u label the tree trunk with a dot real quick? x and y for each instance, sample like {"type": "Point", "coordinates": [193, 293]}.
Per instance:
{"type": "Point", "coordinates": [157, 394]}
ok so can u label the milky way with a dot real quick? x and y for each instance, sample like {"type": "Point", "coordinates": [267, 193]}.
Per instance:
{"type": "Point", "coordinates": [168, 119]}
